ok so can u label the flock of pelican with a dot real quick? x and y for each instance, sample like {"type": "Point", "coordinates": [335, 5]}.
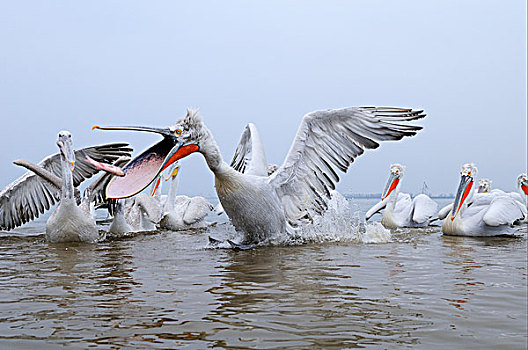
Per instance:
{"type": "Point", "coordinates": [261, 200]}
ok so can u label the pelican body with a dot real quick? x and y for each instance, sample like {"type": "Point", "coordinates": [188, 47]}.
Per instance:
{"type": "Point", "coordinates": [480, 214]}
{"type": "Point", "coordinates": [54, 179]}
{"type": "Point", "coordinates": [400, 209]}
{"type": "Point", "coordinates": [181, 212]}
{"type": "Point", "coordinates": [258, 206]}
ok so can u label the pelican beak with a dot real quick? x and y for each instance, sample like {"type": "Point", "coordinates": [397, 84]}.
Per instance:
{"type": "Point", "coordinates": [156, 186]}
{"type": "Point", "coordinates": [141, 171]}
{"type": "Point", "coordinates": [174, 172]}
{"type": "Point", "coordinates": [524, 186]}
{"type": "Point", "coordinates": [65, 147]}
{"type": "Point", "coordinates": [464, 189]}
{"type": "Point", "coordinates": [393, 181]}
{"type": "Point", "coordinates": [161, 131]}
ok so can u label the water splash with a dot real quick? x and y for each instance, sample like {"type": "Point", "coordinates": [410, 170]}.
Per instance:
{"type": "Point", "coordinates": [342, 222]}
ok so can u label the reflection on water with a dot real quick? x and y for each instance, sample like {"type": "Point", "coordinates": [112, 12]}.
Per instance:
{"type": "Point", "coordinates": [165, 290]}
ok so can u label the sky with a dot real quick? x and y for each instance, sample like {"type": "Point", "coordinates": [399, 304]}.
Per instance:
{"type": "Point", "coordinates": [72, 64]}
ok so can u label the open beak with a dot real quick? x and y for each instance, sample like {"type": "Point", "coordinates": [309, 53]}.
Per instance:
{"type": "Point", "coordinates": [141, 171]}
{"type": "Point", "coordinates": [161, 131]}
{"type": "Point", "coordinates": [464, 189]}
{"type": "Point", "coordinates": [393, 181]}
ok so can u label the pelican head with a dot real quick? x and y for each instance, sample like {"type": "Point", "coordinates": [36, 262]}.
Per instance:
{"type": "Point", "coordinates": [484, 186]}
{"type": "Point", "coordinates": [522, 183]}
{"type": "Point", "coordinates": [465, 189]}
{"type": "Point", "coordinates": [396, 173]}
{"type": "Point", "coordinates": [65, 144]}
{"type": "Point", "coordinates": [187, 136]}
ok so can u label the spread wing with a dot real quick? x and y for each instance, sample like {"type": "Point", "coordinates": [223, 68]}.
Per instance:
{"type": "Point", "coordinates": [250, 157]}
{"type": "Point", "coordinates": [330, 140]}
{"type": "Point", "coordinates": [424, 208]}
{"type": "Point", "coordinates": [29, 196]}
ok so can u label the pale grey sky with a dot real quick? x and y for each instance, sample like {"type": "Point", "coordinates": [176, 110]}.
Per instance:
{"type": "Point", "coordinates": [71, 64]}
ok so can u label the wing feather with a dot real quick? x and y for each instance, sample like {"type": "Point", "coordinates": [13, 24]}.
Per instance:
{"type": "Point", "coordinates": [29, 196]}
{"type": "Point", "coordinates": [249, 157]}
{"type": "Point", "coordinates": [330, 140]}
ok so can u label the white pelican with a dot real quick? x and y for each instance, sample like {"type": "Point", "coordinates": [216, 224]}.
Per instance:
{"type": "Point", "coordinates": [400, 210]}
{"type": "Point", "coordinates": [181, 212]}
{"type": "Point", "coordinates": [487, 215]}
{"type": "Point", "coordinates": [29, 195]}
{"type": "Point", "coordinates": [484, 186]}
{"type": "Point", "coordinates": [298, 191]}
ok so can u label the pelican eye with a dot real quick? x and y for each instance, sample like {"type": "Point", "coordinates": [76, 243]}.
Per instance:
{"type": "Point", "coordinates": [177, 132]}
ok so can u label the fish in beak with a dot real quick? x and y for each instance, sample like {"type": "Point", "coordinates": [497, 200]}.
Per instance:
{"type": "Point", "coordinates": [109, 168]}
{"type": "Point", "coordinates": [464, 189]}
{"type": "Point", "coordinates": [392, 183]}
{"type": "Point", "coordinates": [141, 171]}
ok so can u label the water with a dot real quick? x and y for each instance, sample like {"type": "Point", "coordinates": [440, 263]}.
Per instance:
{"type": "Point", "coordinates": [419, 289]}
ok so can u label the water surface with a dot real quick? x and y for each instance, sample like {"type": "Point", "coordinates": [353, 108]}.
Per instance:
{"type": "Point", "coordinates": [166, 290]}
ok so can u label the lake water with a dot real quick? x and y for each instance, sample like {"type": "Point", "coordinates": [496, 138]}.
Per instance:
{"type": "Point", "coordinates": [166, 290]}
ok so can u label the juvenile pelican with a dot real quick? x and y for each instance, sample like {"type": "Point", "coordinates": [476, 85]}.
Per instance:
{"type": "Point", "coordinates": [400, 210]}
{"type": "Point", "coordinates": [69, 222]}
{"type": "Point", "coordinates": [298, 191]}
{"type": "Point", "coordinates": [488, 214]}
{"type": "Point", "coordinates": [181, 212]}
{"type": "Point", "coordinates": [31, 195]}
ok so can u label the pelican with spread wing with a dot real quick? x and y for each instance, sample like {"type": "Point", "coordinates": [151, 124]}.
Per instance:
{"type": "Point", "coordinates": [399, 209]}
{"type": "Point", "coordinates": [53, 180]}
{"type": "Point", "coordinates": [298, 191]}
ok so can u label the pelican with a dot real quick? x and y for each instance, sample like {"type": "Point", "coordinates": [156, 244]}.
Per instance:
{"type": "Point", "coordinates": [484, 186]}
{"type": "Point", "coordinates": [488, 215]}
{"type": "Point", "coordinates": [31, 194]}
{"type": "Point", "coordinates": [400, 210]}
{"type": "Point", "coordinates": [262, 207]}
{"type": "Point", "coordinates": [181, 212]}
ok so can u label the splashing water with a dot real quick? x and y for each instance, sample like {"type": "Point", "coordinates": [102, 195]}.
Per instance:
{"type": "Point", "coordinates": [340, 223]}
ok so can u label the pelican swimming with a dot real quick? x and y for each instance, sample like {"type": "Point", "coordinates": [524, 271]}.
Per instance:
{"type": "Point", "coordinates": [261, 207]}
{"type": "Point", "coordinates": [484, 186]}
{"type": "Point", "coordinates": [181, 212]}
{"type": "Point", "coordinates": [399, 209]}
{"type": "Point", "coordinates": [488, 214]}
{"type": "Point", "coordinates": [31, 194]}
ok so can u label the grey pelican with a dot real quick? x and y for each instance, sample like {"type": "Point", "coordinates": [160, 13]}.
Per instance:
{"type": "Point", "coordinates": [181, 212]}
{"type": "Point", "coordinates": [400, 209]}
{"type": "Point", "coordinates": [488, 215]}
{"type": "Point", "coordinates": [31, 194]}
{"type": "Point", "coordinates": [261, 207]}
